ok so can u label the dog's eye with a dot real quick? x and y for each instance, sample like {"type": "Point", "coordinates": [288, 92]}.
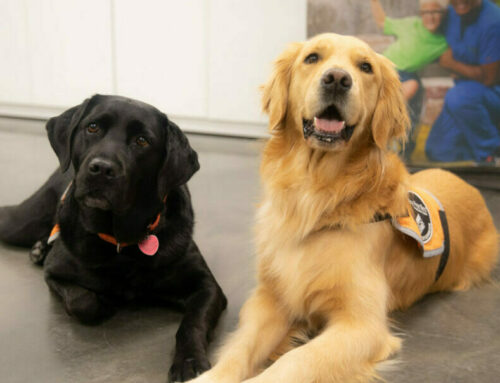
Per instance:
{"type": "Point", "coordinates": [141, 141]}
{"type": "Point", "coordinates": [366, 67]}
{"type": "Point", "coordinates": [92, 128]}
{"type": "Point", "coordinates": [312, 58]}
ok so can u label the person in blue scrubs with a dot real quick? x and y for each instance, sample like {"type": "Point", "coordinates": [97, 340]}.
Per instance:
{"type": "Point", "coordinates": [468, 127]}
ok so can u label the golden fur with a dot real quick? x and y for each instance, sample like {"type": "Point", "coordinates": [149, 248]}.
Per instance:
{"type": "Point", "coordinates": [321, 265]}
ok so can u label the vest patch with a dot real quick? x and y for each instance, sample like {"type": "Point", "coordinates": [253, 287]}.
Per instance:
{"type": "Point", "coordinates": [425, 223]}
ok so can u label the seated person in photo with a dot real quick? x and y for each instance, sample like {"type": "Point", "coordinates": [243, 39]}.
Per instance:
{"type": "Point", "coordinates": [468, 128]}
{"type": "Point", "coordinates": [419, 42]}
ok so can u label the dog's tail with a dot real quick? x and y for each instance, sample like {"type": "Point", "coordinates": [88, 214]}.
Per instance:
{"type": "Point", "coordinates": [297, 336]}
{"type": "Point", "coordinates": [31, 220]}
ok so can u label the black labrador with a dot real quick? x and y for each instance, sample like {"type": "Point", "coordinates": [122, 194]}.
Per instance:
{"type": "Point", "coordinates": [124, 222]}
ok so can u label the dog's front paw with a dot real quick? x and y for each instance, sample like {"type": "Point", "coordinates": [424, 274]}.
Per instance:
{"type": "Point", "coordinates": [188, 368]}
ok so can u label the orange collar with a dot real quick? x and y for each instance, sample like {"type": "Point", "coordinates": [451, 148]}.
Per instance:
{"type": "Point", "coordinates": [119, 245]}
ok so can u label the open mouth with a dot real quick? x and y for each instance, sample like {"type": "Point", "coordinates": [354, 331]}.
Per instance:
{"type": "Point", "coordinates": [328, 126]}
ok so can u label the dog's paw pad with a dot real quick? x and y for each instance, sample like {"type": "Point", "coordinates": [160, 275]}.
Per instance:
{"type": "Point", "coordinates": [39, 251]}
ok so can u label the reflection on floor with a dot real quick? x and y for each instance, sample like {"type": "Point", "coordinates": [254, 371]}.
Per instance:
{"type": "Point", "coordinates": [448, 337]}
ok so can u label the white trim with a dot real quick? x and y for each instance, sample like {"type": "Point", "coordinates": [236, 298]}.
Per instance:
{"type": "Point", "coordinates": [188, 124]}
{"type": "Point", "coordinates": [221, 127]}
{"type": "Point", "coordinates": [31, 112]}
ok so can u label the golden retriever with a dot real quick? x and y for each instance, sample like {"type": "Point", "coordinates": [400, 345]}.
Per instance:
{"type": "Point", "coordinates": [324, 263]}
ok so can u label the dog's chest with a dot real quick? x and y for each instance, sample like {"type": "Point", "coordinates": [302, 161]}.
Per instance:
{"type": "Point", "coordinates": [309, 278]}
{"type": "Point", "coordinates": [317, 275]}
{"type": "Point", "coordinates": [121, 278]}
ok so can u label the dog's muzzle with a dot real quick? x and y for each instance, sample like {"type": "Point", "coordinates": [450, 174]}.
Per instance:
{"type": "Point", "coordinates": [98, 182]}
{"type": "Point", "coordinates": [329, 126]}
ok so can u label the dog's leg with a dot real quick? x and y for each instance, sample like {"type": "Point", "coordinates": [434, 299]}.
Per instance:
{"type": "Point", "coordinates": [83, 304]}
{"type": "Point", "coordinates": [202, 311]}
{"type": "Point", "coordinates": [262, 327]}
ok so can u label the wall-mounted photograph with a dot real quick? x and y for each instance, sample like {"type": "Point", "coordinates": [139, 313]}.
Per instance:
{"type": "Point", "coordinates": [447, 54]}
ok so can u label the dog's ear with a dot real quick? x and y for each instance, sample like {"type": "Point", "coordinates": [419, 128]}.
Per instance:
{"type": "Point", "coordinates": [390, 119]}
{"type": "Point", "coordinates": [180, 162]}
{"type": "Point", "coordinates": [275, 91]}
{"type": "Point", "coordinates": [61, 130]}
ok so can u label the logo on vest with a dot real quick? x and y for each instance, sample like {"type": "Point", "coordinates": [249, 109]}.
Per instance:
{"type": "Point", "coordinates": [421, 215]}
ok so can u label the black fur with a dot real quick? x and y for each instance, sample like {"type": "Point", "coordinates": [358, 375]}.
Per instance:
{"type": "Point", "coordinates": [121, 196]}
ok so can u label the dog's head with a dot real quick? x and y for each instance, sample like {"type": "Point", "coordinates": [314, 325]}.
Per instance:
{"type": "Point", "coordinates": [335, 90]}
{"type": "Point", "coordinates": [121, 150]}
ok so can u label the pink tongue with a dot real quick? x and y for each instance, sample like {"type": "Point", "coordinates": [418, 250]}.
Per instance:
{"type": "Point", "coordinates": [333, 126]}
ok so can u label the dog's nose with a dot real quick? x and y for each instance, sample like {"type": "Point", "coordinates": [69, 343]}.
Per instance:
{"type": "Point", "coordinates": [103, 167]}
{"type": "Point", "coordinates": [336, 80]}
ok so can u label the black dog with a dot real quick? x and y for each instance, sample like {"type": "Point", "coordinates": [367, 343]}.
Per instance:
{"type": "Point", "coordinates": [124, 215]}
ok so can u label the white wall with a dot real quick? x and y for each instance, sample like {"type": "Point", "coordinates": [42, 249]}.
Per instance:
{"type": "Point", "coordinates": [201, 61]}
{"type": "Point", "coordinates": [161, 54]}
{"type": "Point", "coordinates": [54, 52]}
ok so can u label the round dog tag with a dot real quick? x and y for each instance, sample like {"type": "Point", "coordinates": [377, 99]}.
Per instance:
{"type": "Point", "coordinates": [149, 245]}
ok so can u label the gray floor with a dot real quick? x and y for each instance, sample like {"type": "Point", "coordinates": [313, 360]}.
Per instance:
{"type": "Point", "coordinates": [448, 337]}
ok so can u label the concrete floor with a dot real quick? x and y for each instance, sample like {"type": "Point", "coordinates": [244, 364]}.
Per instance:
{"type": "Point", "coordinates": [448, 337]}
